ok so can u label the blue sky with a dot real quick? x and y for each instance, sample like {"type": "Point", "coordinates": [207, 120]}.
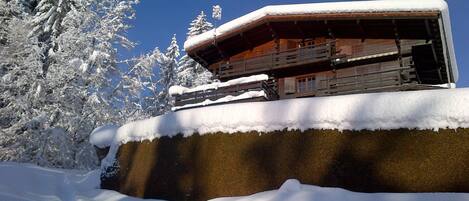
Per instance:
{"type": "Point", "coordinates": [158, 20]}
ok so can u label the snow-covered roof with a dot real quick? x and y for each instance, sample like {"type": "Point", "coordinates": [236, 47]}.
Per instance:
{"type": "Point", "coordinates": [335, 7]}
{"type": "Point", "coordinates": [429, 109]}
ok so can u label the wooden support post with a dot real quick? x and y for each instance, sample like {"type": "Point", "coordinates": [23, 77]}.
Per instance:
{"type": "Point", "coordinates": [275, 37]}
{"type": "Point", "coordinates": [398, 42]}
{"type": "Point", "coordinates": [429, 32]}
{"type": "Point", "coordinates": [220, 51]}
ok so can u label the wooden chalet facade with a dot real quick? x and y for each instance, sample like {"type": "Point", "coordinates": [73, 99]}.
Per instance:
{"type": "Point", "coordinates": [308, 50]}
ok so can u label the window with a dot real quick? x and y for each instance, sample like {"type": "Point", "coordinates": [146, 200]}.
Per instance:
{"type": "Point", "coordinates": [306, 84]}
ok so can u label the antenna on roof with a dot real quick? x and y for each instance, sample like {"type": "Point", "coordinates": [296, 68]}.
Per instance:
{"type": "Point", "coordinates": [216, 12]}
{"type": "Point", "coordinates": [216, 15]}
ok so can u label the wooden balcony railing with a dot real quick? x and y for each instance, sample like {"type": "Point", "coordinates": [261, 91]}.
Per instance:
{"type": "Point", "coordinates": [367, 82]}
{"type": "Point", "coordinates": [283, 59]}
{"type": "Point", "coordinates": [269, 87]}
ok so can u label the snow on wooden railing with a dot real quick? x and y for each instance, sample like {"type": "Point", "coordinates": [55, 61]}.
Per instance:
{"type": "Point", "coordinates": [252, 88]}
{"type": "Point", "coordinates": [179, 90]}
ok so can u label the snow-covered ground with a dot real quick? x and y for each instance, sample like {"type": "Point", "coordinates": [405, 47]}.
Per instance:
{"type": "Point", "coordinates": [25, 182]}
{"type": "Point", "coordinates": [292, 190]}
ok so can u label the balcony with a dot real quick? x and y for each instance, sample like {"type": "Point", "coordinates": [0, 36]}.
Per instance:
{"type": "Point", "coordinates": [340, 56]}
{"type": "Point", "coordinates": [284, 59]}
{"type": "Point", "coordinates": [197, 98]}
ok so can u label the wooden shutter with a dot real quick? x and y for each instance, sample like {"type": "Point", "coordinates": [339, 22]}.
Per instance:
{"type": "Point", "coordinates": [289, 85]}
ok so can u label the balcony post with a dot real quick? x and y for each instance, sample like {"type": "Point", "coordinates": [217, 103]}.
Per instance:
{"type": "Point", "coordinates": [244, 62]}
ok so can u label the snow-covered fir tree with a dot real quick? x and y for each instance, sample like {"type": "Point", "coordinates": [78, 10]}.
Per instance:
{"type": "Point", "coordinates": [191, 73]}
{"type": "Point", "coordinates": [168, 75]}
{"type": "Point", "coordinates": [199, 25]}
{"type": "Point", "coordinates": [46, 116]}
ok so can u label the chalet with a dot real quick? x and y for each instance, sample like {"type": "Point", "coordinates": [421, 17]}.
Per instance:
{"type": "Point", "coordinates": [323, 49]}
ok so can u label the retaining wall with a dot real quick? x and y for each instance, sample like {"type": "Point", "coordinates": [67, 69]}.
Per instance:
{"type": "Point", "coordinates": [218, 165]}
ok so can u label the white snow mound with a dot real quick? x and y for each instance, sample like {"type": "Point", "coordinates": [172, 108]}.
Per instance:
{"type": "Point", "coordinates": [315, 193]}
{"type": "Point", "coordinates": [26, 182]}
{"type": "Point", "coordinates": [102, 136]}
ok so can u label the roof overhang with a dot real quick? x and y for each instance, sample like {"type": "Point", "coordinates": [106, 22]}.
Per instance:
{"type": "Point", "coordinates": [359, 19]}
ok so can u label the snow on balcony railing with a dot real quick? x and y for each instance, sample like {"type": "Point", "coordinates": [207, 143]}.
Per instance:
{"type": "Point", "coordinates": [228, 98]}
{"type": "Point", "coordinates": [179, 90]}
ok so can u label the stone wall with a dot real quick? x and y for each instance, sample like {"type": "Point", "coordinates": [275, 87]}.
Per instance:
{"type": "Point", "coordinates": [218, 165]}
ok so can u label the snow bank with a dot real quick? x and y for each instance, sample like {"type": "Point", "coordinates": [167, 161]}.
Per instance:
{"type": "Point", "coordinates": [25, 182]}
{"type": "Point", "coordinates": [179, 90]}
{"type": "Point", "coordinates": [229, 98]}
{"type": "Point", "coordinates": [334, 7]}
{"type": "Point", "coordinates": [292, 190]}
{"type": "Point", "coordinates": [429, 109]}
{"type": "Point", "coordinates": [102, 136]}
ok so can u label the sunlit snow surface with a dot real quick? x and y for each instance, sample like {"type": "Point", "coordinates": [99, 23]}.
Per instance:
{"type": "Point", "coordinates": [292, 190]}
{"type": "Point", "coordinates": [25, 182]}
{"type": "Point", "coordinates": [102, 136]}
{"type": "Point", "coordinates": [428, 109]}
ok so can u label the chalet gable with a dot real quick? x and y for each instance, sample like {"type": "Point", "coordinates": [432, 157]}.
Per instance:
{"type": "Point", "coordinates": [411, 19]}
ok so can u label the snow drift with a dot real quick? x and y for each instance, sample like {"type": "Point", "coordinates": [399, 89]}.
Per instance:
{"type": "Point", "coordinates": [292, 190]}
{"type": "Point", "coordinates": [25, 182]}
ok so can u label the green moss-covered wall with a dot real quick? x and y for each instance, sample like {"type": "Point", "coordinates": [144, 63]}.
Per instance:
{"type": "Point", "coordinates": [218, 165]}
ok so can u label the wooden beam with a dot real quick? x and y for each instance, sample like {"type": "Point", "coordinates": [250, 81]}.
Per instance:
{"type": "Point", "coordinates": [300, 30]}
{"type": "Point", "coordinates": [200, 59]}
{"type": "Point", "coordinates": [220, 51]}
{"type": "Point", "coordinates": [329, 30]}
{"type": "Point", "coordinates": [272, 31]}
{"type": "Point", "coordinates": [362, 30]}
{"type": "Point", "coordinates": [246, 40]}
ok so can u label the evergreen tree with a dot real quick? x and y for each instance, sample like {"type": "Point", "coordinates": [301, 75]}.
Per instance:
{"type": "Point", "coordinates": [168, 75]}
{"type": "Point", "coordinates": [199, 25]}
{"type": "Point", "coordinates": [191, 73]}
